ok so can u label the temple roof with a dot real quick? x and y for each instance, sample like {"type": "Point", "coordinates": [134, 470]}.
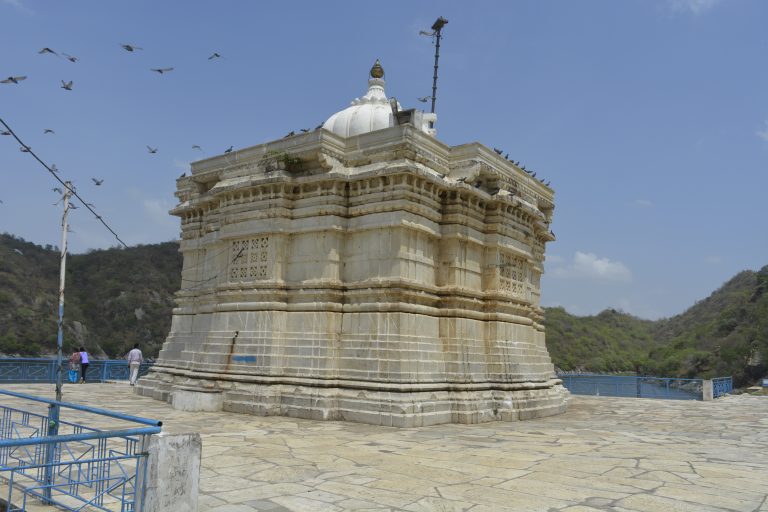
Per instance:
{"type": "Point", "coordinates": [367, 113]}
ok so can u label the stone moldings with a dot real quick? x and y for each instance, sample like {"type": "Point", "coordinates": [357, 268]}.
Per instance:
{"type": "Point", "coordinates": [388, 279]}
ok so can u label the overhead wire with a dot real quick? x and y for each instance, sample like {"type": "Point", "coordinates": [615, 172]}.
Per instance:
{"type": "Point", "coordinates": [28, 149]}
{"type": "Point", "coordinates": [71, 189]}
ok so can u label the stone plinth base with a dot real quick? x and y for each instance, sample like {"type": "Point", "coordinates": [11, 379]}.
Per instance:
{"type": "Point", "coordinates": [196, 399]}
{"type": "Point", "coordinates": [173, 473]}
{"type": "Point", "coordinates": [403, 406]}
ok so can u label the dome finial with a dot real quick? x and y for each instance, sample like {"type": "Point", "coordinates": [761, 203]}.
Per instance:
{"type": "Point", "coordinates": [377, 71]}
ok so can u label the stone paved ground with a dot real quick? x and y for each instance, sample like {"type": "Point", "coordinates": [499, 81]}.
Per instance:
{"type": "Point", "coordinates": [613, 454]}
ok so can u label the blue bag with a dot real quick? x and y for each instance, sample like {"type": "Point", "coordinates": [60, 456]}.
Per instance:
{"type": "Point", "coordinates": [73, 376]}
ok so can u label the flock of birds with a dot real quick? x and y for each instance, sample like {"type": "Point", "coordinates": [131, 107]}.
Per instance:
{"type": "Point", "coordinates": [517, 164]}
{"type": "Point", "coordinates": [68, 85]}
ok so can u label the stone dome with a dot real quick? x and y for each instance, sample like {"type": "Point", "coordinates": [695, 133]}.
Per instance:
{"type": "Point", "coordinates": [366, 114]}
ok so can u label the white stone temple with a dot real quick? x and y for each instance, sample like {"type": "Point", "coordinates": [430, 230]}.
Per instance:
{"type": "Point", "coordinates": [363, 271]}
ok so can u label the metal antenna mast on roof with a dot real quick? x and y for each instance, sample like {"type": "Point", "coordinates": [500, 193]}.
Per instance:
{"type": "Point", "coordinates": [437, 26]}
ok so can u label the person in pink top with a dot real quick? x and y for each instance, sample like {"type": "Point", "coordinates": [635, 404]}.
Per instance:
{"type": "Point", "coordinates": [135, 358]}
{"type": "Point", "coordinates": [83, 364]}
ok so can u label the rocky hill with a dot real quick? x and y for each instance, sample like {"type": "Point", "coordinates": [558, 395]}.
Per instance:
{"type": "Point", "coordinates": [117, 297]}
{"type": "Point", "coordinates": [724, 334]}
{"type": "Point", "coordinates": [114, 298]}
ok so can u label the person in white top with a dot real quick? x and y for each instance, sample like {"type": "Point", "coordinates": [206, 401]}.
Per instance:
{"type": "Point", "coordinates": [135, 358]}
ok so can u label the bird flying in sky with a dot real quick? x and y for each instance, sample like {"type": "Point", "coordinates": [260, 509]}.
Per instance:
{"type": "Point", "coordinates": [214, 56]}
{"type": "Point", "coordinates": [130, 47]}
{"type": "Point", "coordinates": [152, 150]}
{"type": "Point", "coordinates": [228, 150]}
{"type": "Point", "coordinates": [47, 50]}
{"type": "Point", "coordinates": [161, 70]}
{"type": "Point", "coordinates": [13, 80]}
{"type": "Point", "coordinates": [70, 58]}
{"type": "Point", "coordinates": [48, 130]}
{"type": "Point", "coordinates": [66, 85]}
{"type": "Point", "coordinates": [5, 133]}
{"type": "Point", "coordinates": [97, 182]}
{"type": "Point", "coordinates": [423, 99]}
{"type": "Point", "coordinates": [195, 146]}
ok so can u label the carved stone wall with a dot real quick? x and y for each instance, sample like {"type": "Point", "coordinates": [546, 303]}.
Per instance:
{"type": "Point", "coordinates": [388, 279]}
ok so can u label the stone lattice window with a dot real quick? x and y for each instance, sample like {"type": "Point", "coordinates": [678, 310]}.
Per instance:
{"type": "Point", "coordinates": [249, 259]}
{"type": "Point", "coordinates": [512, 276]}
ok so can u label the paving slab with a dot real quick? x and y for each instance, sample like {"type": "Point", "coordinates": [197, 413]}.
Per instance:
{"type": "Point", "coordinates": [606, 454]}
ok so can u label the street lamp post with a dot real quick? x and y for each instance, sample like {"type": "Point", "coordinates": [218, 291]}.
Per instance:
{"type": "Point", "coordinates": [436, 28]}
{"type": "Point", "coordinates": [62, 273]}
{"type": "Point", "coordinates": [51, 450]}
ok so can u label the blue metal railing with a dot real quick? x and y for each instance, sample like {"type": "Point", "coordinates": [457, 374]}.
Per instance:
{"type": "Point", "coordinates": [643, 387]}
{"type": "Point", "coordinates": [30, 370]}
{"type": "Point", "coordinates": [69, 465]}
{"type": "Point", "coordinates": [722, 386]}
{"type": "Point", "coordinates": [632, 386]}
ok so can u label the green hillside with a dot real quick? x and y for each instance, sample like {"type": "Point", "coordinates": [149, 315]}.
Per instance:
{"type": "Point", "coordinates": [724, 334]}
{"type": "Point", "coordinates": [117, 297]}
{"type": "Point", "coordinates": [114, 297]}
{"type": "Point", "coordinates": [611, 341]}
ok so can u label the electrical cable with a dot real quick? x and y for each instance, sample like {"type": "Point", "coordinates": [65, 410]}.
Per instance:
{"type": "Point", "coordinates": [28, 149]}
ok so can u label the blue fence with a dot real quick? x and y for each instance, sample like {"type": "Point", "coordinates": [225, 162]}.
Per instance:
{"type": "Point", "coordinates": [31, 370]}
{"type": "Point", "coordinates": [643, 387]}
{"type": "Point", "coordinates": [722, 386]}
{"type": "Point", "coordinates": [47, 459]}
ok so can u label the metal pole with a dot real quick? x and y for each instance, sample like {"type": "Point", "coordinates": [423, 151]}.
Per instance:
{"type": "Point", "coordinates": [437, 27]}
{"type": "Point", "coordinates": [51, 455]}
{"type": "Point", "coordinates": [62, 273]}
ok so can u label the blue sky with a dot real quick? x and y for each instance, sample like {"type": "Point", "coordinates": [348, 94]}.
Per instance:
{"type": "Point", "coordinates": [649, 117]}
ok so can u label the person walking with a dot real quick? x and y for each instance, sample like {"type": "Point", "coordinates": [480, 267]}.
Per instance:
{"type": "Point", "coordinates": [135, 358]}
{"type": "Point", "coordinates": [74, 367]}
{"type": "Point", "coordinates": [83, 364]}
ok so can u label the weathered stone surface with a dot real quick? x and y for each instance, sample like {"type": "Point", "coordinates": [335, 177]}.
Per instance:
{"type": "Point", "coordinates": [252, 463]}
{"type": "Point", "coordinates": [173, 473]}
{"type": "Point", "coordinates": [381, 278]}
